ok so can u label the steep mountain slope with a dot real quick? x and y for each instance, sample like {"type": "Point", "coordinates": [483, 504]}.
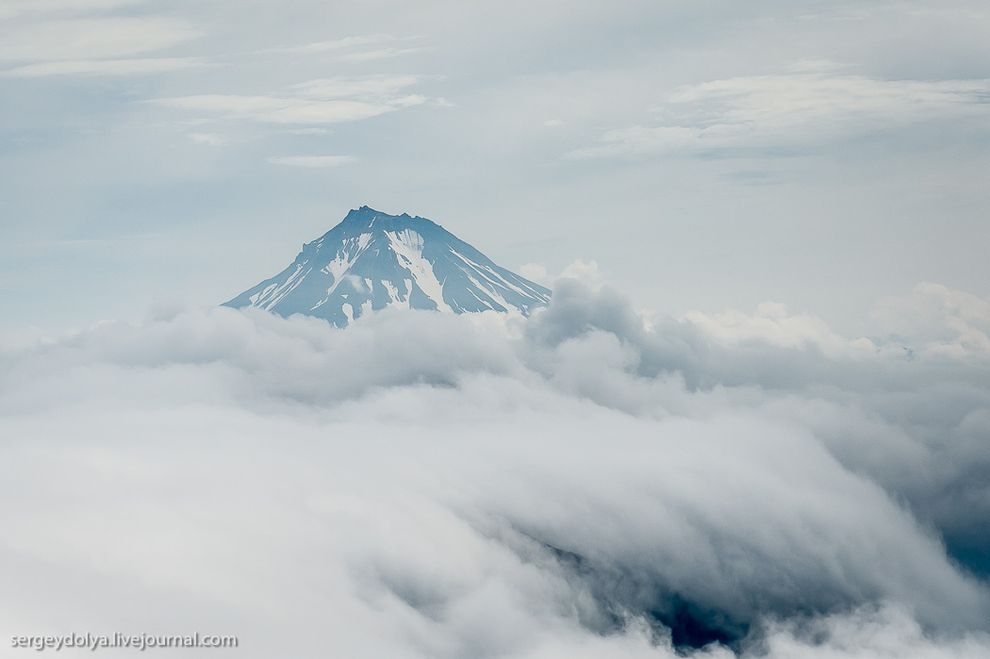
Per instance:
{"type": "Point", "coordinates": [372, 260]}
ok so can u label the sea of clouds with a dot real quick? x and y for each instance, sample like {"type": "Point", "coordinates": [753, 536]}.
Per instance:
{"type": "Point", "coordinates": [589, 482]}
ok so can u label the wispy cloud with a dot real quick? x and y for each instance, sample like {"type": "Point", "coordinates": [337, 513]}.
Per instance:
{"type": "Point", "coordinates": [381, 53]}
{"type": "Point", "coordinates": [210, 139]}
{"type": "Point", "coordinates": [107, 67]}
{"type": "Point", "coordinates": [311, 161]}
{"type": "Point", "coordinates": [320, 101]}
{"type": "Point", "coordinates": [278, 110]}
{"type": "Point", "coordinates": [375, 86]}
{"type": "Point", "coordinates": [93, 38]}
{"type": "Point", "coordinates": [334, 44]}
{"type": "Point", "coordinates": [316, 130]}
{"type": "Point", "coordinates": [347, 49]}
{"type": "Point", "coordinates": [10, 8]}
{"type": "Point", "coordinates": [803, 107]}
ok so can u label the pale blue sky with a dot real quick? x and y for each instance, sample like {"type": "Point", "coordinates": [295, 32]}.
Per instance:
{"type": "Point", "coordinates": [707, 154]}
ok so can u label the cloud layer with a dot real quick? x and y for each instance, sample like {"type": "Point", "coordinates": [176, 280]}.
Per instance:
{"type": "Point", "coordinates": [587, 482]}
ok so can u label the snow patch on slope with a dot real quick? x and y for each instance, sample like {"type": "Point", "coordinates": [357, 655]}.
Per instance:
{"type": "Point", "coordinates": [408, 247]}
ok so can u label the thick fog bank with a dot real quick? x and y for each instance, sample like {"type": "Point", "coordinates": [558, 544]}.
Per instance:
{"type": "Point", "coordinates": [584, 483]}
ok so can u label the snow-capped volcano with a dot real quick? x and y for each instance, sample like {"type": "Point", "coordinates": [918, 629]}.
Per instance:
{"type": "Point", "coordinates": [372, 260]}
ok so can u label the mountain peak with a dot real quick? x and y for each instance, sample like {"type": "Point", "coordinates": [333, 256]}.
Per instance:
{"type": "Point", "coordinates": [362, 212]}
{"type": "Point", "coordinates": [373, 260]}
{"type": "Point", "coordinates": [368, 217]}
